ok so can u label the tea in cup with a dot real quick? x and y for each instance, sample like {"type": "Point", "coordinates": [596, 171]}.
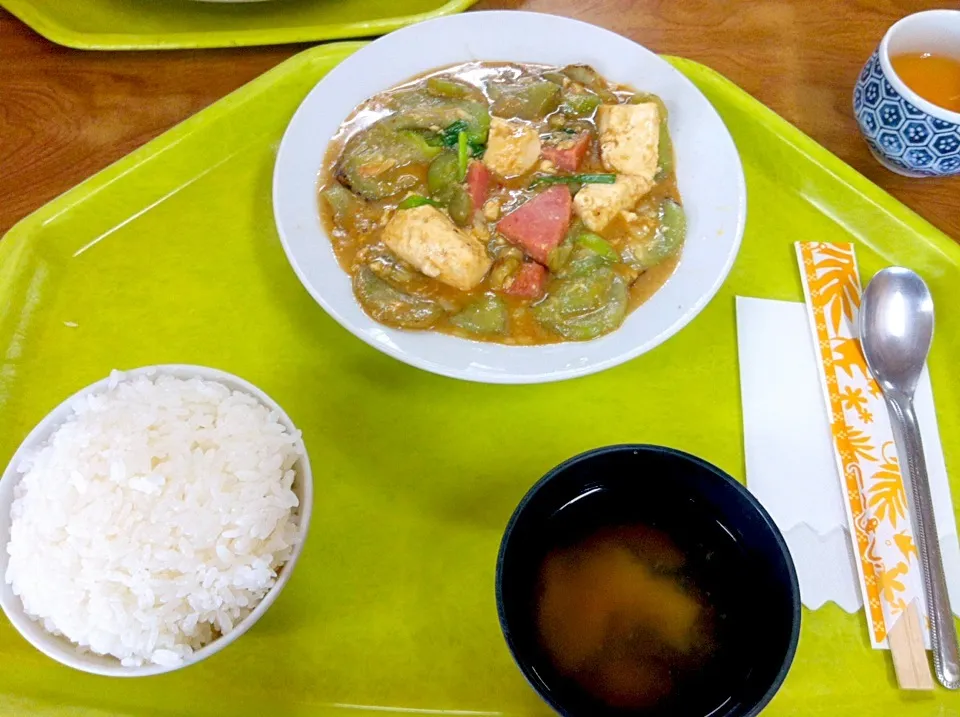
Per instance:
{"type": "Point", "coordinates": [907, 98]}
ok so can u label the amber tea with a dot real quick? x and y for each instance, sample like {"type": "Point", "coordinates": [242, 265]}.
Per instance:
{"type": "Point", "coordinates": [936, 78]}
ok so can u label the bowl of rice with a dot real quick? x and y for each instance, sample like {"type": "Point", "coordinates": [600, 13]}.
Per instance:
{"type": "Point", "coordinates": [151, 519]}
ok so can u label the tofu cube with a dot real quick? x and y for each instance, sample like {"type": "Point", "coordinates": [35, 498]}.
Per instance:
{"type": "Point", "coordinates": [425, 237]}
{"type": "Point", "coordinates": [513, 148]}
{"type": "Point", "coordinates": [598, 204]}
{"type": "Point", "coordinates": [630, 138]}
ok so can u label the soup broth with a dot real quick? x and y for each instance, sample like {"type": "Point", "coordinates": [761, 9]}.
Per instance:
{"type": "Point", "coordinates": [638, 613]}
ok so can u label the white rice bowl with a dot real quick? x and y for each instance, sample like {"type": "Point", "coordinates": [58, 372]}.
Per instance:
{"type": "Point", "coordinates": [152, 518]}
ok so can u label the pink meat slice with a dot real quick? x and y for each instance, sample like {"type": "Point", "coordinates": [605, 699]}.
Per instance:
{"type": "Point", "coordinates": [568, 160]}
{"type": "Point", "coordinates": [540, 224]}
{"type": "Point", "coordinates": [529, 281]}
{"type": "Point", "coordinates": [478, 183]}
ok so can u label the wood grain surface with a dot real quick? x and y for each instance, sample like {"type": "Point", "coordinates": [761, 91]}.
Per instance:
{"type": "Point", "coordinates": [64, 114]}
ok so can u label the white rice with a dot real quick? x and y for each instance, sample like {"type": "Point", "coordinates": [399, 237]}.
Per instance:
{"type": "Point", "coordinates": [155, 518]}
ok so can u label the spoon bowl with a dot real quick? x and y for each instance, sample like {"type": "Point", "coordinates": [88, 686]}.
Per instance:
{"type": "Point", "coordinates": [896, 328]}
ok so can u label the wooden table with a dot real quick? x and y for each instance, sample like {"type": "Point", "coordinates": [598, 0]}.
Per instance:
{"type": "Point", "coordinates": [64, 114]}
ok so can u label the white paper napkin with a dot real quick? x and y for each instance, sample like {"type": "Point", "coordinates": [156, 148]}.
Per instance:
{"type": "Point", "coordinates": [789, 454]}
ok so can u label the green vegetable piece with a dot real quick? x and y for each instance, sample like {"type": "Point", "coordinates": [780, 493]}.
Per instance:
{"type": "Point", "coordinates": [528, 101]}
{"type": "Point", "coordinates": [460, 205]}
{"type": "Point", "coordinates": [584, 307]}
{"type": "Point", "coordinates": [560, 254]}
{"type": "Point", "coordinates": [673, 224]}
{"type": "Point", "coordinates": [554, 76]}
{"type": "Point", "coordinates": [486, 316]}
{"type": "Point", "coordinates": [602, 321]}
{"type": "Point", "coordinates": [415, 200]}
{"type": "Point", "coordinates": [432, 139]}
{"type": "Point", "coordinates": [451, 135]}
{"type": "Point", "coordinates": [664, 152]}
{"type": "Point", "coordinates": [451, 138]}
{"type": "Point", "coordinates": [598, 245]}
{"type": "Point", "coordinates": [579, 105]}
{"type": "Point", "coordinates": [479, 126]}
{"type": "Point", "coordinates": [445, 87]}
{"type": "Point", "coordinates": [645, 250]}
{"type": "Point", "coordinates": [393, 307]}
{"type": "Point", "coordinates": [591, 79]}
{"type": "Point", "coordinates": [341, 201]}
{"type": "Point", "coordinates": [444, 181]}
{"type": "Point", "coordinates": [394, 270]}
{"type": "Point", "coordinates": [348, 211]}
{"type": "Point", "coordinates": [584, 74]}
{"type": "Point", "coordinates": [414, 147]}
{"type": "Point", "coordinates": [420, 110]}
{"type": "Point", "coordinates": [582, 262]}
{"type": "Point", "coordinates": [499, 248]}
{"type": "Point", "coordinates": [373, 163]}
{"type": "Point", "coordinates": [585, 292]}
{"type": "Point", "coordinates": [544, 179]}
{"type": "Point", "coordinates": [645, 97]}
{"type": "Point", "coordinates": [443, 174]}
{"type": "Point", "coordinates": [503, 271]}
{"type": "Point", "coordinates": [589, 252]}
{"type": "Point", "coordinates": [463, 156]}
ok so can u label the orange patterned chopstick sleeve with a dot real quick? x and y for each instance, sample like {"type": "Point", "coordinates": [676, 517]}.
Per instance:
{"type": "Point", "coordinates": [862, 438]}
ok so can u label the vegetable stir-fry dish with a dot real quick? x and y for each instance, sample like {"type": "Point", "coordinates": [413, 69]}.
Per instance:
{"type": "Point", "coordinates": [521, 204]}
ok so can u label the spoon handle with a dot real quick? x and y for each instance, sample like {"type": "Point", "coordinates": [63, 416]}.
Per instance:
{"type": "Point", "coordinates": [943, 635]}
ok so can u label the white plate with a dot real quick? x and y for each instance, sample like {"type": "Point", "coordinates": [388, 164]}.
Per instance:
{"type": "Point", "coordinates": [709, 173]}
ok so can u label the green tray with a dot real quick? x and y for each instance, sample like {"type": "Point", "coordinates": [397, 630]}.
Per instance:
{"type": "Point", "coordinates": [171, 24]}
{"type": "Point", "coordinates": [170, 256]}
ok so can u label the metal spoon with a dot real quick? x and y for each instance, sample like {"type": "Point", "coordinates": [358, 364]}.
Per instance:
{"type": "Point", "coordinates": [896, 329]}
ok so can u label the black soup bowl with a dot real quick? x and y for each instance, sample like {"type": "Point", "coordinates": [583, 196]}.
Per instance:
{"type": "Point", "coordinates": [641, 580]}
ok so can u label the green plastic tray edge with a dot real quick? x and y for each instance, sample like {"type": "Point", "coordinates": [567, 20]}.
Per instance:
{"type": "Point", "coordinates": [165, 141]}
{"type": "Point", "coordinates": [49, 28]}
{"type": "Point", "coordinates": [839, 169]}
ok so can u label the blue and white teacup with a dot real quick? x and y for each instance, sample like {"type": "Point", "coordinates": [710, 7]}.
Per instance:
{"type": "Point", "coordinates": [906, 133]}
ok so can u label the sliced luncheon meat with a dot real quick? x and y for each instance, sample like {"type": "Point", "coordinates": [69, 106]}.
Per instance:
{"type": "Point", "coordinates": [478, 183]}
{"type": "Point", "coordinates": [540, 224]}
{"type": "Point", "coordinates": [528, 281]}
{"type": "Point", "coordinates": [567, 155]}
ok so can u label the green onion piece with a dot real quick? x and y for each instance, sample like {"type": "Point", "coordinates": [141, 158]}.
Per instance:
{"type": "Point", "coordinates": [415, 200]}
{"type": "Point", "coordinates": [463, 155]}
{"type": "Point", "coordinates": [542, 179]}
{"type": "Point", "coordinates": [598, 245]}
